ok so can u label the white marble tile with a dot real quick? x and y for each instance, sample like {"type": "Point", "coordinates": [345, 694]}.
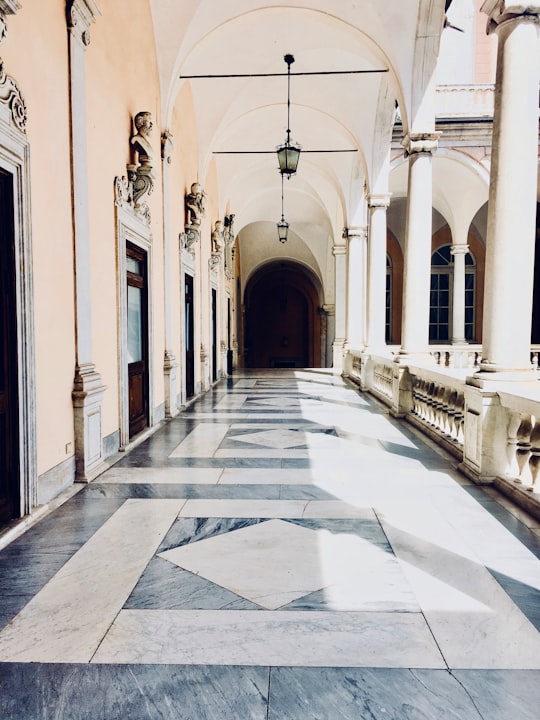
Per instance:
{"type": "Point", "coordinates": [244, 383]}
{"type": "Point", "coordinates": [67, 619]}
{"type": "Point", "coordinates": [232, 402]}
{"type": "Point", "coordinates": [283, 638]}
{"type": "Point", "coordinates": [474, 622]}
{"type": "Point", "coordinates": [203, 441]}
{"type": "Point", "coordinates": [158, 476]}
{"type": "Point", "coordinates": [274, 509]}
{"type": "Point", "coordinates": [271, 563]}
{"type": "Point", "coordinates": [267, 476]}
{"type": "Point", "coordinates": [244, 508]}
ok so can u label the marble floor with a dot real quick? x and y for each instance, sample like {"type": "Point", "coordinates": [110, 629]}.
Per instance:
{"type": "Point", "coordinates": [282, 550]}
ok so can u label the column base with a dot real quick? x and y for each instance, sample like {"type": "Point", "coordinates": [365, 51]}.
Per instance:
{"type": "Point", "coordinates": [87, 395]}
{"type": "Point", "coordinates": [170, 371]}
{"type": "Point", "coordinates": [484, 377]}
{"type": "Point", "coordinates": [338, 349]}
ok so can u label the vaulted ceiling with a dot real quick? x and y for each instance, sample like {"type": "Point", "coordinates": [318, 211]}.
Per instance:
{"type": "Point", "coordinates": [397, 41]}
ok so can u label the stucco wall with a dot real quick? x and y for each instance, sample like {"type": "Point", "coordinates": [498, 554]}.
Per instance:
{"type": "Point", "coordinates": [36, 32]}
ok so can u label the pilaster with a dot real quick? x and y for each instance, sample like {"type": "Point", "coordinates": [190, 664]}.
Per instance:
{"type": "Point", "coordinates": [170, 363]}
{"type": "Point", "coordinates": [88, 388]}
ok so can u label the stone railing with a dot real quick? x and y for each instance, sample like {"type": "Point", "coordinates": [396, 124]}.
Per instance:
{"type": "Point", "coordinates": [458, 356]}
{"type": "Point", "coordinates": [523, 439]}
{"type": "Point", "coordinates": [383, 378]}
{"type": "Point", "coordinates": [438, 403]}
{"type": "Point", "coordinates": [464, 101]}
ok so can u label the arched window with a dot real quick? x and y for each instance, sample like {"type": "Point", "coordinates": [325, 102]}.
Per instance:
{"type": "Point", "coordinates": [388, 315]}
{"type": "Point", "coordinates": [442, 281]}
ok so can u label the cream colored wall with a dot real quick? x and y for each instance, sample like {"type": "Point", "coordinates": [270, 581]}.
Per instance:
{"type": "Point", "coordinates": [122, 80]}
{"type": "Point", "coordinates": [182, 173]}
{"type": "Point", "coordinates": [35, 34]}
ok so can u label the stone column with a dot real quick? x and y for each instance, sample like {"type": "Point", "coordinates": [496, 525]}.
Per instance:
{"type": "Point", "coordinates": [417, 261]}
{"type": "Point", "coordinates": [458, 294]}
{"type": "Point", "coordinates": [170, 363]}
{"type": "Point", "coordinates": [88, 388]}
{"type": "Point", "coordinates": [376, 299]}
{"type": "Point", "coordinates": [340, 254]}
{"type": "Point", "coordinates": [510, 242]}
{"type": "Point", "coordinates": [356, 297]}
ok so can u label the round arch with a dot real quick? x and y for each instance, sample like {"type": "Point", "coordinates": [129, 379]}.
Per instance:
{"type": "Point", "coordinates": [282, 323]}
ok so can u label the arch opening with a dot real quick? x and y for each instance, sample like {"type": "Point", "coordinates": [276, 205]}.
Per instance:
{"type": "Point", "coordinates": [282, 318]}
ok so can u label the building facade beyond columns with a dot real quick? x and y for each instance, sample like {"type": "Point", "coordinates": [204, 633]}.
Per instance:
{"type": "Point", "coordinates": [376, 280]}
{"type": "Point", "coordinates": [510, 243]}
{"type": "Point", "coordinates": [417, 257]}
{"type": "Point", "coordinates": [88, 388]}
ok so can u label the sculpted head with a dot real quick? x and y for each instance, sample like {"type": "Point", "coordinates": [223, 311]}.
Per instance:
{"type": "Point", "coordinates": [143, 123]}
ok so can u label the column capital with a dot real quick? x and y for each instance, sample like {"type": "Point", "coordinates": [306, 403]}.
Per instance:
{"type": "Point", "coordinates": [359, 231]}
{"type": "Point", "coordinates": [459, 249]}
{"type": "Point", "coordinates": [80, 15]}
{"type": "Point", "coordinates": [339, 250]}
{"type": "Point", "coordinates": [502, 11]}
{"type": "Point", "coordinates": [415, 143]}
{"type": "Point", "coordinates": [379, 200]}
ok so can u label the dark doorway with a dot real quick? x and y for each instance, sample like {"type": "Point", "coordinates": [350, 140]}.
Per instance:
{"type": "Point", "coordinates": [214, 335]}
{"type": "Point", "coordinates": [190, 338]}
{"type": "Point", "coordinates": [137, 338]}
{"type": "Point", "coordinates": [282, 322]}
{"type": "Point", "coordinates": [9, 406]}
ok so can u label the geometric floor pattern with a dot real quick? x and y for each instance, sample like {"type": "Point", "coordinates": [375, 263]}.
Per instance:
{"type": "Point", "coordinates": [281, 549]}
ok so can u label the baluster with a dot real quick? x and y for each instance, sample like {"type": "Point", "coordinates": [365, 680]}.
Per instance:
{"type": "Point", "coordinates": [523, 449]}
{"type": "Point", "coordinates": [452, 402]}
{"type": "Point", "coordinates": [514, 422]}
{"type": "Point", "coordinates": [460, 406]}
{"type": "Point", "coordinates": [439, 417]}
{"type": "Point", "coordinates": [431, 403]}
{"type": "Point", "coordinates": [534, 360]}
{"type": "Point", "coordinates": [534, 460]}
{"type": "Point", "coordinates": [445, 411]}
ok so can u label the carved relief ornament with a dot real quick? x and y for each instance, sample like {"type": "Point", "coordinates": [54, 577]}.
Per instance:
{"type": "Point", "coordinates": [80, 15]}
{"type": "Point", "coordinates": [11, 96]}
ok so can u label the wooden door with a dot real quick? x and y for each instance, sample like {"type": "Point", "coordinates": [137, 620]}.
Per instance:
{"type": "Point", "coordinates": [188, 323]}
{"type": "Point", "coordinates": [9, 407]}
{"type": "Point", "coordinates": [137, 338]}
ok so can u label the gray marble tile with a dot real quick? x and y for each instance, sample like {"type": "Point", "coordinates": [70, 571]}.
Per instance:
{"type": "Point", "coordinates": [191, 529]}
{"type": "Point", "coordinates": [135, 692]}
{"type": "Point", "coordinates": [182, 491]}
{"type": "Point", "coordinates": [503, 694]}
{"type": "Point", "coordinates": [374, 694]}
{"type": "Point", "coordinates": [163, 586]}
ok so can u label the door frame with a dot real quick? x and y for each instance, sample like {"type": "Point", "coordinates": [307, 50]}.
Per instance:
{"type": "Point", "coordinates": [131, 230]}
{"type": "Point", "coordinates": [15, 160]}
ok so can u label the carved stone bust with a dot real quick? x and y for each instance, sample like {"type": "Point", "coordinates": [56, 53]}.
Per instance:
{"type": "Point", "coordinates": [195, 201]}
{"type": "Point", "coordinates": [141, 140]}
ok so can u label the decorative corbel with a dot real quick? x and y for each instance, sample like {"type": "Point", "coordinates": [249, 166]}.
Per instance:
{"type": "Point", "coordinates": [10, 93]}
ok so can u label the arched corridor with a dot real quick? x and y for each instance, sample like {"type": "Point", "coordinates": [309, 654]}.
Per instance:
{"type": "Point", "coordinates": [282, 550]}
